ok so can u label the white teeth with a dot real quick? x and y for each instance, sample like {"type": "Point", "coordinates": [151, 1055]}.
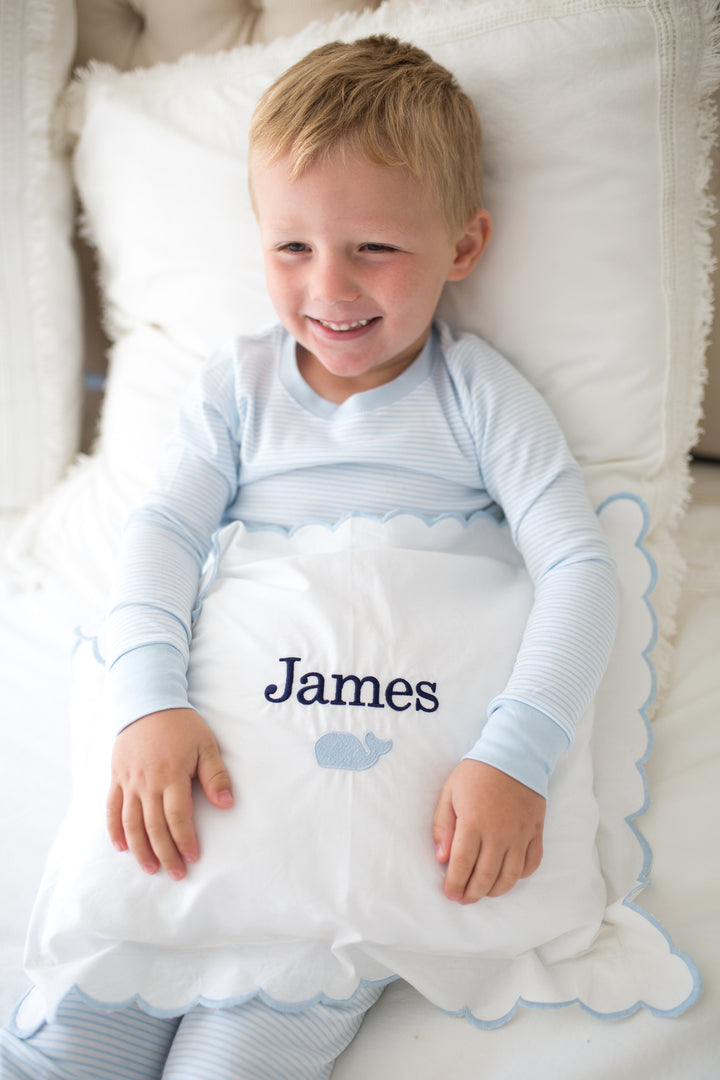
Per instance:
{"type": "Point", "coordinates": [344, 326]}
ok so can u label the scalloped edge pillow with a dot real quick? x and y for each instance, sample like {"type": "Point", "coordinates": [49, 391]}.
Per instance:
{"type": "Point", "coordinates": [332, 699]}
{"type": "Point", "coordinates": [598, 123]}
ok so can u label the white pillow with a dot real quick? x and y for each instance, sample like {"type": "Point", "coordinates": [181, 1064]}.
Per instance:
{"type": "Point", "coordinates": [597, 128]}
{"type": "Point", "coordinates": [323, 873]}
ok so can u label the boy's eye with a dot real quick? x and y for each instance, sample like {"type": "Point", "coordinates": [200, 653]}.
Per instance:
{"type": "Point", "coordinates": [294, 247]}
{"type": "Point", "coordinates": [376, 247]}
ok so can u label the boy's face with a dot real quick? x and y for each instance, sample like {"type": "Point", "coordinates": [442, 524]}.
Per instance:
{"type": "Point", "coordinates": [356, 257]}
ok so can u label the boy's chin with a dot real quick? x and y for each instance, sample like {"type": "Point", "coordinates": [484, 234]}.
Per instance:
{"type": "Point", "coordinates": [337, 378]}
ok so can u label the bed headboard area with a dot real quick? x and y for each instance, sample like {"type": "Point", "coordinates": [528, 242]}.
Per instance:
{"type": "Point", "coordinates": [49, 330]}
{"type": "Point", "coordinates": [709, 442]}
{"type": "Point", "coordinates": [147, 32]}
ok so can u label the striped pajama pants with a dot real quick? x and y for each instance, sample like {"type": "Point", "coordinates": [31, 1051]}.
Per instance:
{"type": "Point", "coordinates": [244, 1042]}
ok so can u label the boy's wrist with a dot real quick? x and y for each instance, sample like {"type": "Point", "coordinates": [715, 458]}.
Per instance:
{"type": "Point", "coordinates": [522, 742]}
{"type": "Point", "coordinates": [145, 680]}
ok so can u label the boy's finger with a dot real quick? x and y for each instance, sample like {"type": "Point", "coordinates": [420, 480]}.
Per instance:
{"type": "Point", "coordinates": [463, 859]}
{"type": "Point", "coordinates": [178, 810]}
{"type": "Point", "coordinates": [113, 817]}
{"type": "Point", "coordinates": [214, 777]}
{"type": "Point", "coordinates": [533, 857]}
{"type": "Point", "coordinates": [484, 875]}
{"type": "Point", "coordinates": [160, 838]}
{"type": "Point", "coordinates": [443, 828]}
{"type": "Point", "coordinates": [510, 872]}
{"type": "Point", "coordinates": [136, 836]}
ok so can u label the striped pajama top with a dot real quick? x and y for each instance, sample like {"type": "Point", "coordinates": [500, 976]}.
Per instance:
{"type": "Point", "coordinates": [459, 432]}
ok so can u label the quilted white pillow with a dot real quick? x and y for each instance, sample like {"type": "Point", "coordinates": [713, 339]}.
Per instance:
{"type": "Point", "coordinates": [342, 693]}
{"type": "Point", "coordinates": [597, 127]}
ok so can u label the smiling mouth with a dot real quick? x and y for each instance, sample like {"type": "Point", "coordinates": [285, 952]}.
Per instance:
{"type": "Point", "coordinates": [343, 327]}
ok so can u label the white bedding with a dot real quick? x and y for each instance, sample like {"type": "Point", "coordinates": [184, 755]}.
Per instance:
{"type": "Point", "coordinates": [404, 1036]}
{"type": "Point", "coordinates": [348, 888]}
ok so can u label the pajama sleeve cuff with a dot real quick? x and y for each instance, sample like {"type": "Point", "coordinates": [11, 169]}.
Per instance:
{"type": "Point", "coordinates": [522, 742]}
{"type": "Point", "coordinates": [145, 680]}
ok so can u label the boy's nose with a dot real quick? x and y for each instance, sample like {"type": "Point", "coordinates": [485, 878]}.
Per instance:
{"type": "Point", "coordinates": [333, 281]}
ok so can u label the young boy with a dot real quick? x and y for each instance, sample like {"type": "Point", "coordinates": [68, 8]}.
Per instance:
{"type": "Point", "coordinates": [366, 182]}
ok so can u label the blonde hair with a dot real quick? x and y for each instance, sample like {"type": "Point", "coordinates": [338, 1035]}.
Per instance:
{"type": "Point", "coordinates": [386, 98]}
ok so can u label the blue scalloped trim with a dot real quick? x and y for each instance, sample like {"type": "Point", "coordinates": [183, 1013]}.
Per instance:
{"type": "Point", "coordinates": [643, 878]}
{"type": "Point", "coordinates": [137, 1001]}
{"type": "Point", "coordinates": [80, 637]}
{"type": "Point", "coordinates": [642, 881]}
{"type": "Point", "coordinates": [333, 526]}
{"type": "Point", "coordinates": [210, 568]}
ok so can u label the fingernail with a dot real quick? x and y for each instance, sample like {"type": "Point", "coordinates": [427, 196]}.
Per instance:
{"type": "Point", "coordinates": [176, 875]}
{"type": "Point", "coordinates": [149, 868]}
{"type": "Point", "coordinates": [225, 797]}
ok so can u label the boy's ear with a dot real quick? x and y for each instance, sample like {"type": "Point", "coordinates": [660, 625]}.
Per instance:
{"type": "Point", "coordinates": [471, 245]}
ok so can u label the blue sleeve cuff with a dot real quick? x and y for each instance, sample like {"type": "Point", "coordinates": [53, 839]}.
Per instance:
{"type": "Point", "coordinates": [145, 680]}
{"type": "Point", "coordinates": [522, 742]}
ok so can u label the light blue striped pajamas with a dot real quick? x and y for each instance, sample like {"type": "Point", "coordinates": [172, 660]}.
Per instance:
{"type": "Point", "coordinates": [251, 1041]}
{"type": "Point", "coordinates": [459, 432]}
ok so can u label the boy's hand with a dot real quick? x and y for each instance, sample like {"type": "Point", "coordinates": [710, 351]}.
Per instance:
{"type": "Point", "coordinates": [149, 805]}
{"type": "Point", "coordinates": [488, 828]}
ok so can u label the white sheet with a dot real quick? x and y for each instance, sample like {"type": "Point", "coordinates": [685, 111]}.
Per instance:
{"type": "Point", "coordinates": [404, 1037]}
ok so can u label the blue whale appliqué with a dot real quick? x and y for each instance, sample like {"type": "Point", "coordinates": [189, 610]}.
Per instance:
{"type": "Point", "coordinates": [341, 750]}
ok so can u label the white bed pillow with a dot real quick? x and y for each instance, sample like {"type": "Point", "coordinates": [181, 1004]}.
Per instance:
{"type": "Point", "coordinates": [597, 129]}
{"type": "Point", "coordinates": [342, 885]}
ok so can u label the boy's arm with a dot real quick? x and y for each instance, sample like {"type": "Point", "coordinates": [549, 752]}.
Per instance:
{"type": "Point", "coordinates": [146, 638]}
{"type": "Point", "coordinates": [163, 744]}
{"type": "Point", "coordinates": [491, 811]}
{"type": "Point", "coordinates": [489, 819]}
{"type": "Point", "coordinates": [528, 470]}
